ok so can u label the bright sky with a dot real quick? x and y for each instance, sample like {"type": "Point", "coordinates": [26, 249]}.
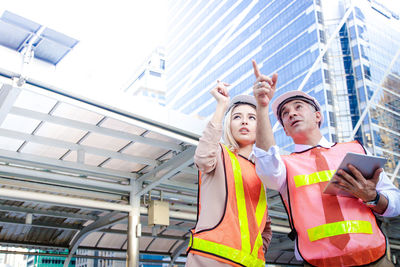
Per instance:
{"type": "Point", "coordinates": [115, 36]}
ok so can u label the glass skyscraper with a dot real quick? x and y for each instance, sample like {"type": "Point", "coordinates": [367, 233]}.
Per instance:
{"type": "Point", "coordinates": [341, 52]}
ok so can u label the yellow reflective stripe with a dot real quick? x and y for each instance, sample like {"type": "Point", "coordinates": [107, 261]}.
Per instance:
{"type": "Point", "coordinates": [241, 203]}
{"type": "Point", "coordinates": [261, 206]}
{"type": "Point", "coordinates": [313, 178]}
{"type": "Point", "coordinates": [260, 210]}
{"type": "Point", "coordinates": [257, 244]}
{"type": "Point", "coordinates": [235, 255]}
{"type": "Point", "coordinates": [339, 228]}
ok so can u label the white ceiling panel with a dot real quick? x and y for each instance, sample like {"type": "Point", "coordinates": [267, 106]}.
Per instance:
{"type": "Point", "coordinates": [144, 150]}
{"type": "Point", "coordinates": [144, 242]}
{"type": "Point", "coordinates": [121, 126]}
{"type": "Point", "coordinates": [10, 143]}
{"type": "Point", "coordinates": [104, 142]}
{"type": "Point", "coordinates": [19, 124]}
{"type": "Point", "coordinates": [91, 239]}
{"type": "Point", "coordinates": [90, 159]}
{"type": "Point", "coordinates": [35, 102]}
{"type": "Point", "coordinates": [60, 132]}
{"type": "Point", "coordinates": [112, 241]}
{"type": "Point", "coordinates": [161, 245]}
{"type": "Point", "coordinates": [121, 165]}
{"type": "Point", "coordinates": [163, 137]}
{"type": "Point", "coordinates": [75, 113]}
{"type": "Point", "coordinates": [43, 150]}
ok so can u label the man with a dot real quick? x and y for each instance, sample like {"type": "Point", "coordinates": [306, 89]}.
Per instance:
{"type": "Point", "coordinates": [329, 230]}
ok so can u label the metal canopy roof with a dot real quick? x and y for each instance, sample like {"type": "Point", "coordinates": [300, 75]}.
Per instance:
{"type": "Point", "coordinates": [17, 32]}
{"type": "Point", "coordinates": [71, 164]}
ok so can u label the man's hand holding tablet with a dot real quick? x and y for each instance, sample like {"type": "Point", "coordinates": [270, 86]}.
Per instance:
{"type": "Point", "coordinates": [363, 169]}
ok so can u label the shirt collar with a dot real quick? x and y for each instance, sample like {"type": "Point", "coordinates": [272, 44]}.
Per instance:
{"type": "Point", "coordinates": [323, 142]}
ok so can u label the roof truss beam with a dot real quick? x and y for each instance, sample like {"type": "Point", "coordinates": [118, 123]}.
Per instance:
{"type": "Point", "coordinates": [101, 223]}
{"type": "Point", "coordinates": [178, 251]}
{"type": "Point", "coordinates": [34, 184]}
{"type": "Point", "coordinates": [62, 179]}
{"type": "Point", "coordinates": [64, 166]}
{"type": "Point", "coordinates": [94, 128]}
{"type": "Point", "coordinates": [57, 214]}
{"type": "Point", "coordinates": [177, 163]}
{"type": "Point", "coordinates": [72, 146]}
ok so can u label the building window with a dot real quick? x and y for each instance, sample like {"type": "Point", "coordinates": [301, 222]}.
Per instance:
{"type": "Point", "coordinates": [367, 73]}
{"type": "Point", "coordinates": [162, 64]}
{"type": "Point", "coordinates": [363, 52]}
{"type": "Point", "coordinates": [329, 97]}
{"type": "Point", "coordinates": [322, 36]}
{"type": "Point", "coordinates": [320, 18]}
{"type": "Point", "coordinates": [332, 119]}
{"type": "Point", "coordinates": [327, 76]}
{"type": "Point", "coordinates": [325, 58]}
{"type": "Point", "coordinates": [153, 73]}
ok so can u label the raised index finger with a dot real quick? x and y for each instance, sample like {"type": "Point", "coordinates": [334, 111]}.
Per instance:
{"type": "Point", "coordinates": [256, 70]}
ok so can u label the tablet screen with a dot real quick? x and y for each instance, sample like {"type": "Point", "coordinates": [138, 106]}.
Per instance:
{"type": "Point", "coordinates": [366, 164]}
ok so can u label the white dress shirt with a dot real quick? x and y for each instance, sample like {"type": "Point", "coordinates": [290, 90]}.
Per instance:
{"type": "Point", "coordinates": [272, 172]}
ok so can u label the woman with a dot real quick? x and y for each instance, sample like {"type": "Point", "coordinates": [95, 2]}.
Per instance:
{"type": "Point", "coordinates": [233, 227]}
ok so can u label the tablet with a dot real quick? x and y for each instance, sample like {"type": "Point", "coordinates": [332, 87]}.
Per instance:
{"type": "Point", "coordinates": [366, 164]}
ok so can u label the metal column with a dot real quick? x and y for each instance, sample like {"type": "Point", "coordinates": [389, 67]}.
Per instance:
{"type": "Point", "coordinates": [134, 227]}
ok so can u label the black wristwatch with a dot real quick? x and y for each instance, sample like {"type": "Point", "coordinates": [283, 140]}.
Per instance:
{"type": "Point", "coordinates": [374, 202]}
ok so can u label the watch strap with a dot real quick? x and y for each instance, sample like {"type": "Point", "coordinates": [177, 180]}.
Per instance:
{"type": "Point", "coordinates": [374, 202]}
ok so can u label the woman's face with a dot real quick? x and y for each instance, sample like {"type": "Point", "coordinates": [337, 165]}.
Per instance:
{"type": "Point", "coordinates": [243, 125]}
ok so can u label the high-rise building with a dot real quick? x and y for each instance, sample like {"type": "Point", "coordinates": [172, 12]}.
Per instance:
{"type": "Point", "coordinates": [148, 82]}
{"type": "Point", "coordinates": [344, 53]}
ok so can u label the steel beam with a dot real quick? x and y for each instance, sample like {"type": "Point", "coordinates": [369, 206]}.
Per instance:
{"type": "Point", "coordinates": [177, 163]}
{"type": "Point", "coordinates": [72, 146]}
{"type": "Point", "coordinates": [63, 179]}
{"type": "Point", "coordinates": [57, 214]}
{"type": "Point", "coordinates": [64, 166]}
{"type": "Point", "coordinates": [69, 201]}
{"type": "Point", "coordinates": [95, 129]}
{"type": "Point", "coordinates": [101, 223]}
{"type": "Point", "coordinates": [178, 251]}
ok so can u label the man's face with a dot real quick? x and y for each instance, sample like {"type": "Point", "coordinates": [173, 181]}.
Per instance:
{"type": "Point", "coordinates": [299, 117]}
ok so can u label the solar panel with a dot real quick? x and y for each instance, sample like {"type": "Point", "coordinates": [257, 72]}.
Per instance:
{"type": "Point", "coordinates": [51, 46]}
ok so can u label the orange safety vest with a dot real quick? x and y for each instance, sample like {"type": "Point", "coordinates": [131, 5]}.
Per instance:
{"type": "Point", "coordinates": [306, 213]}
{"type": "Point", "coordinates": [236, 239]}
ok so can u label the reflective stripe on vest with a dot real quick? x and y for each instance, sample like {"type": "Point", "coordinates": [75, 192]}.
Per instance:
{"type": "Point", "coordinates": [235, 255]}
{"type": "Point", "coordinates": [339, 228]}
{"type": "Point", "coordinates": [313, 178]}
{"type": "Point", "coordinates": [245, 256]}
{"type": "Point", "coordinates": [330, 229]}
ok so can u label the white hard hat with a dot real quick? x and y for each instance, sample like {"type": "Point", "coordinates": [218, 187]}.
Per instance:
{"type": "Point", "coordinates": [242, 99]}
{"type": "Point", "coordinates": [292, 95]}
